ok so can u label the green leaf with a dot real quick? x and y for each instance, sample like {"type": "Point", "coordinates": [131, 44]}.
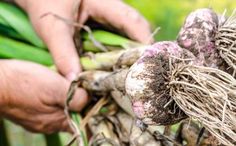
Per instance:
{"type": "Point", "coordinates": [107, 38]}
{"type": "Point", "coordinates": [7, 31]}
{"type": "Point", "coordinates": [14, 49]}
{"type": "Point", "coordinates": [19, 21]}
{"type": "Point", "coordinates": [3, 22]}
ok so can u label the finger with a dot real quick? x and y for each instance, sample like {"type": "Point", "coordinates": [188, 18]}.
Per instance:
{"type": "Point", "coordinates": [65, 127]}
{"type": "Point", "coordinates": [122, 17]}
{"type": "Point", "coordinates": [45, 101]}
{"type": "Point", "coordinates": [57, 34]}
{"type": "Point", "coordinates": [83, 13]}
{"type": "Point", "coordinates": [48, 89]}
{"type": "Point", "coordinates": [53, 122]}
{"type": "Point", "coordinates": [62, 48]}
{"type": "Point", "coordinates": [78, 101]}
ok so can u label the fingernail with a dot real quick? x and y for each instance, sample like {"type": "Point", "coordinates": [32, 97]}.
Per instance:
{"type": "Point", "coordinates": [71, 76]}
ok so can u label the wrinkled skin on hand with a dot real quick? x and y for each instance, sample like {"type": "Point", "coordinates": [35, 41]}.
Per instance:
{"type": "Point", "coordinates": [58, 35]}
{"type": "Point", "coordinates": [34, 97]}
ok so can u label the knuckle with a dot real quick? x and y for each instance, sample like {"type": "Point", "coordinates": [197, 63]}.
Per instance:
{"type": "Point", "coordinates": [51, 123]}
{"type": "Point", "coordinates": [61, 58]}
{"type": "Point", "coordinates": [66, 63]}
{"type": "Point", "coordinates": [65, 126]}
{"type": "Point", "coordinates": [133, 14]}
{"type": "Point", "coordinates": [47, 128]}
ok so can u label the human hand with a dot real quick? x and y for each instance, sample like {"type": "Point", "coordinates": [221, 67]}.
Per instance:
{"type": "Point", "coordinates": [34, 96]}
{"type": "Point", "coordinates": [58, 35]}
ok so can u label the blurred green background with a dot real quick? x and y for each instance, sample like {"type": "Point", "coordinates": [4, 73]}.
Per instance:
{"type": "Point", "coordinates": [170, 14]}
{"type": "Point", "coordinates": [167, 14]}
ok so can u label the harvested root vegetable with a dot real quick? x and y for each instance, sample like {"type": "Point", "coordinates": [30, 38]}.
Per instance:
{"type": "Point", "coordinates": [208, 95]}
{"type": "Point", "coordinates": [135, 135]}
{"type": "Point", "coordinates": [147, 86]}
{"type": "Point", "coordinates": [109, 60]}
{"type": "Point", "coordinates": [190, 133]}
{"type": "Point", "coordinates": [167, 75]}
{"type": "Point", "coordinates": [226, 41]}
{"type": "Point", "coordinates": [119, 129]}
{"type": "Point", "coordinates": [102, 82]}
{"type": "Point", "coordinates": [213, 104]}
{"type": "Point", "coordinates": [103, 132]}
{"type": "Point", "coordinates": [197, 35]}
{"type": "Point", "coordinates": [168, 83]}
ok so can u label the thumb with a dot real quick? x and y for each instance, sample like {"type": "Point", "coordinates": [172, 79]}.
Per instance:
{"type": "Point", "coordinates": [122, 17]}
{"type": "Point", "coordinates": [78, 101]}
{"type": "Point", "coordinates": [60, 43]}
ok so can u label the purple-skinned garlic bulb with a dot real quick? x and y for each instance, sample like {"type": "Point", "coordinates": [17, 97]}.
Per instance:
{"type": "Point", "coordinates": [147, 85]}
{"type": "Point", "coordinates": [198, 36]}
